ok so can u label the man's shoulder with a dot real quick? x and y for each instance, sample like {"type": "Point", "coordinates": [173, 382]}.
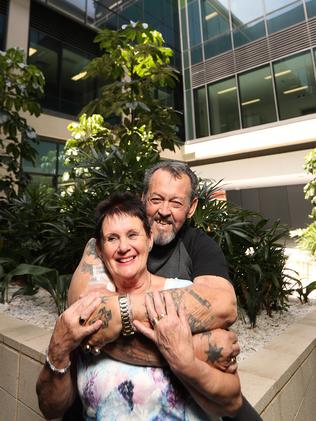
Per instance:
{"type": "Point", "coordinates": [193, 234]}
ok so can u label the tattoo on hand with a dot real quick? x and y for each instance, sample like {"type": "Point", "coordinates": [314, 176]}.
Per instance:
{"type": "Point", "coordinates": [213, 353]}
{"type": "Point", "coordinates": [90, 249]}
{"type": "Point", "coordinates": [86, 267]}
{"type": "Point", "coordinates": [103, 313]}
{"type": "Point", "coordinates": [177, 295]}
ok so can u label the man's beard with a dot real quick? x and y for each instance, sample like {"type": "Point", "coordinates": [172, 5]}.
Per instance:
{"type": "Point", "coordinates": [162, 238]}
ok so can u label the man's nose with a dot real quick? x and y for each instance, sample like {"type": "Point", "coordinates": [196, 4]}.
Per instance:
{"type": "Point", "coordinates": [164, 208]}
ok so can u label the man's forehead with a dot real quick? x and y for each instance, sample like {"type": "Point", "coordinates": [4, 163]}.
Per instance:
{"type": "Point", "coordinates": [168, 185]}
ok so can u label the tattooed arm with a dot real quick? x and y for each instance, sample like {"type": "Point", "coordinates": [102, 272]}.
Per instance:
{"type": "Point", "coordinates": [220, 344]}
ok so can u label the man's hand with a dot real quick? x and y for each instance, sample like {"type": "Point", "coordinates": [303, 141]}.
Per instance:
{"type": "Point", "coordinates": [218, 348]}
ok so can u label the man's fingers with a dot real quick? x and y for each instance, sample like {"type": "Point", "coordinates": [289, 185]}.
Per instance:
{"type": "Point", "coordinates": [170, 306]}
{"type": "Point", "coordinates": [149, 333]}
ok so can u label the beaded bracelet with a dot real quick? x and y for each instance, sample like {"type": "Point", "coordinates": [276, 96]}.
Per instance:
{"type": "Point", "coordinates": [55, 369]}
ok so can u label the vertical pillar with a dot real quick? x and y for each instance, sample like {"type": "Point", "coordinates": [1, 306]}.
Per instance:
{"type": "Point", "coordinates": [18, 24]}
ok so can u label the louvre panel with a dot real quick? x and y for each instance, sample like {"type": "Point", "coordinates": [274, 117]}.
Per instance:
{"type": "Point", "coordinates": [251, 55]}
{"type": "Point", "coordinates": [197, 68]}
{"type": "Point", "coordinates": [198, 79]}
{"type": "Point", "coordinates": [288, 41]}
{"type": "Point", "coordinates": [219, 67]}
{"type": "Point", "coordinates": [312, 31]}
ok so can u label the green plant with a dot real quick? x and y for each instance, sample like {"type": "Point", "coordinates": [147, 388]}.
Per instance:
{"type": "Point", "coordinates": [21, 86]}
{"type": "Point", "coordinates": [34, 277]}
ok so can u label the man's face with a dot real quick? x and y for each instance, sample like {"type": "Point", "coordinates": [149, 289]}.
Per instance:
{"type": "Point", "coordinates": [168, 205]}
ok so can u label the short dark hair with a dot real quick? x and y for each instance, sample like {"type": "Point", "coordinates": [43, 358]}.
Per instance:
{"type": "Point", "coordinates": [177, 169]}
{"type": "Point", "coordinates": [121, 203]}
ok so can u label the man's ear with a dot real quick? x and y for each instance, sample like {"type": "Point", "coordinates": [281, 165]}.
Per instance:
{"type": "Point", "coordinates": [193, 206]}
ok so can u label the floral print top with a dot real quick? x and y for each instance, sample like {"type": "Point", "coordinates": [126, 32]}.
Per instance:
{"type": "Point", "coordinates": [114, 391]}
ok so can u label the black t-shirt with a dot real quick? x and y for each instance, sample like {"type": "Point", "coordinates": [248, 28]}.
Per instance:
{"type": "Point", "coordinates": [192, 253]}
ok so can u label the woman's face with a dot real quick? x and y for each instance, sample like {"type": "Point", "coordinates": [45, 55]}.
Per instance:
{"type": "Point", "coordinates": [125, 248]}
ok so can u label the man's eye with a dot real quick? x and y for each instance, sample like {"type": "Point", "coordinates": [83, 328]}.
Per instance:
{"type": "Point", "coordinates": [176, 204]}
{"type": "Point", "coordinates": [156, 200]}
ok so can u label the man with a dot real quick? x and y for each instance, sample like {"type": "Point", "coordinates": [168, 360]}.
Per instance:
{"type": "Point", "coordinates": [170, 197]}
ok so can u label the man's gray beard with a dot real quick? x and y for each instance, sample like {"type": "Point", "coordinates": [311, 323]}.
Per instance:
{"type": "Point", "coordinates": [162, 239]}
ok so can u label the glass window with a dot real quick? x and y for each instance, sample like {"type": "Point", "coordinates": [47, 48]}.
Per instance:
{"type": "Point", "coordinates": [215, 18]}
{"type": "Point", "coordinates": [194, 23]}
{"type": "Point", "coordinates": [196, 54]}
{"type": "Point", "coordinates": [249, 32]}
{"type": "Point", "coordinates": [295, 85]}
{"type": "Point", "coordinates": [188, 116]}
{"type": "Point", "coordinates": [285, 17]}
{"type": "Point", "coordinates": [223, 106]}
{"type": "Point", "coordinates": [49, 165]}
{"type": "Point", "coordinates": [244, 11]}
{"type": "Point", "coordinates": [75, 91]}
{"type": "Point", "coordinates": [184, 29]}
{"type": "Point", "coordinates": [272, 5]}
{"type": "Point", "coordinates": [200, 112]}
{"type": "Point", "coordinates": [73, 7]}
{"type": "Point", "coordinates": [217, 45]}
{"type": "Point", "coordinates": [256, 97]}
{"type": "Point", "coordinates": [2, 31]}
{"type": "Point", "coordinates": [311, 8]}
{"type": "Point", "coordinates": [44, 52]}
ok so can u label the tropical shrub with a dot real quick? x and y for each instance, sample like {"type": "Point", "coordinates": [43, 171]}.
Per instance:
{"type": "Point", "coordinates": [21, 86]}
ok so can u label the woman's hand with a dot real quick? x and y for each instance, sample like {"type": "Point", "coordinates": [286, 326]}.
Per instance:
{"type": "Point", "coordinates": [69, 331]}
{"type": "Point", "coordinates": [170, 330]}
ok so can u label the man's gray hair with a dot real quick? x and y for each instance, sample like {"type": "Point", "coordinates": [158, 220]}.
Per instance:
{"type": "Point", "coordinates": [177, 169]}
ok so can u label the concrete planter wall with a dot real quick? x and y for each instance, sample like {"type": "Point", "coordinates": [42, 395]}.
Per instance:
{"type": "Point", "coordinates": [279, 380]}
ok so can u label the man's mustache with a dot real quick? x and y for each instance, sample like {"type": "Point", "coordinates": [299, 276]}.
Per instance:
{"type": "Point", "coordinates": [167, 219]}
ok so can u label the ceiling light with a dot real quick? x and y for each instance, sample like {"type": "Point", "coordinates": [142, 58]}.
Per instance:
{"type": "Point", "coordinates": [300, 88]}
{"type": "Point", "coordinates": [211, 16]}
{"type": "Point", "coordinates": [284, 72]}
{"type": "Point", "coordinates": [79, 76]}
{"type": "Point", "coordinates": [224, 91]}
{"type": "Point", "coordinates": [252, 101]}
{"type": "Point", "coordinates": [32, 51]}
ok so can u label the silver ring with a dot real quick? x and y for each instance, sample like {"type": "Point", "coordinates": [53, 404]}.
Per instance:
{"type": "Point", "coordinates": [233, 360]}
{"type": "Point", "coordinates": [86, 348]}
{"type": "Point", "coordinates": [95, 351]}
{"type": "Point", "coordinates": [161, 316]}
{"type": "Point", "coordinates": [82, 321]}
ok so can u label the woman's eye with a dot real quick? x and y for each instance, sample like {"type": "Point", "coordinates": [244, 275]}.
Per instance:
{"type": "Point", "coordinates": [133, 235]}
{"type": "Point", "coordinates": [111, 239]}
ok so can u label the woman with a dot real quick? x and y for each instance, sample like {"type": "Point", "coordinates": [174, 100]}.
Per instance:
{"type": "Point", "coordinates": [189, 389]}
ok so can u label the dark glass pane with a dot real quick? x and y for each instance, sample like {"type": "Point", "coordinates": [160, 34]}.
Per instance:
{"type": "Point", "coordinates": [200, 112]}
{"type": "Point", "coordinates": [285, 17]}
{"type": "Point", "coordinates": [223, 106]}
{"type": "Point", "coordinates": [196, 55]}
{"type": "Point", "coordinates": [2, 31]}
{"type": "Point", "coordinates": [75, 91]}
{"type": "Point", "coordinates": [215, 18]}
{"type": "Point", "coordinates": [45, 160]}
{"type": "Point", "coordinates": [188, 116]}
{"type": "Point", "coordinates": [60, 154]}
{"type": "Point", "coordinates": [73, 7]}
{"type": "Point", "coordinates": [217, 45]}
{"type": "Point", "coordinates": [91, 11]}
{"type": "Point", "coordinates": [187, 79]}
{"type": "Point", "coordinates": [256, 97]}
{"type": "Point", "coordinates": [47, 180]}
{"type": "Point", "coordinates": [134, 13]}
{"type": "Point", "coordinates": [311, 8]}
{"type": "Point", "coordinates": [244, 11]}
{"type": "Point", "coordinates": [44, 53]}
{"type": "Point", "coordinates": [250, 32]}
{"type": "Point", "coordinates": [194, 23]}
{"type": "Point", "coordinates": [295, 85]}
{"type": "Point", "coordinates": [186, 62]}
{"type": "Point", "coordinates": [184, 29]}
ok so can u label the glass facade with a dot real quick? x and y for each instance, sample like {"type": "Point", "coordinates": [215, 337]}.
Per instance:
{"type": "Point", "coordinates": [49, 165]}
{"type": "Point", "coordinates": [3, 23]}
{"type": "Point", "coordinates": [283, 89]}
{"type": "Point", "coordinates": [65, 91]}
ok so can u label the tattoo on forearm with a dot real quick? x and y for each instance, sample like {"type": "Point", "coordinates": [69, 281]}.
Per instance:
{"type": "Point", "coordinates": [103, 313]}
{"type": "Point", "coordinates": [200, 299]}
{"type": "Point", "coordinates": [90, 248]}
{"type": "Point", "coordinates": [86, 267]}
{"type": "Point", "coordinates": [177, 295]}
{"type": "Point", "coordinates": [213, 353]}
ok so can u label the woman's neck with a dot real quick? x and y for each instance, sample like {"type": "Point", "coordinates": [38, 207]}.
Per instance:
{"type": "Point", "coordinates": [135, 286]}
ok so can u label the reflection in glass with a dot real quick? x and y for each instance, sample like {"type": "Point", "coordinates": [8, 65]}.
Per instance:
{"type": "Point", "coordinates": [200, 112]}
{"type": "Point", "coordinates": [249, 32]}
{"type": "Point", "coordinates": [43, 52]}
{"type": "Point", "coordinates": [256, 97]}
{"type": "Point", "coordinates": [311, 8]}
{"type": "Point", "coordinates": [272, 5]}
{"type": "Point", "coordinates": [217, 45]}
{"type": "Point", "coordinates": [244, 11]}
{"type": "Point", "coordinates": [285, 17]}
{"type": "Point", "coordinates": [215, 18]}
{"type": "Point", "coordinates": [196, 54]}
{"type": "Point", "coordinates": [295, 85]}
{"type": "Point", "coordinates": [73, 7]}
{"type": "Point", "coordinates": [194, 23]}
{"type": "Point", "coordinates": [188, 115]}
{"type": "Point", "coordinates": [223, 107]}
{"type": "Point", "coordinates": [75, 91]}
{"type": "Point", "coordinates": [2, 31]}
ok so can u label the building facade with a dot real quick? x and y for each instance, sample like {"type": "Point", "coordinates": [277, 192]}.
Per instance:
{"type": "Point", "coordinates": [249, 87]}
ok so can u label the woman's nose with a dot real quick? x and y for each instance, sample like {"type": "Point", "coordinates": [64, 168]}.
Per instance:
{"type": "Point", "coordinates": [123, 245]}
